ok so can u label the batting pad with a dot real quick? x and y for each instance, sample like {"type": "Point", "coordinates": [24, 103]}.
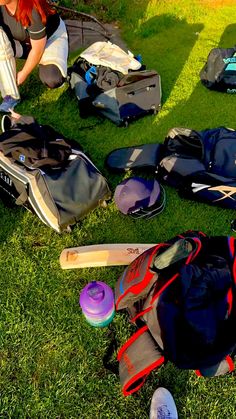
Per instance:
{"type": "Point", "coordinates": [8, 84]}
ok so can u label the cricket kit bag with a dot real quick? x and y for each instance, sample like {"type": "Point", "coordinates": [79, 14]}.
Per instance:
{"type": "Point", "coordinates": [114, 83]}
{"type": "Point", "coordinates": [201, 165]}
{"type": "Point", "coordinates": [180, 294]}
{"type": "Point", "coordinates": [48, 174]}
{"type": "Point", "coordinates": [219, 72]}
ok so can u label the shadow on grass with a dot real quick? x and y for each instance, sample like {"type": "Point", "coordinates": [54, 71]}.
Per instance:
{"type": "Point", "coordinates": [158, 24]}
{"type": "Point", "coordinates": [168, 58]}
{"type": "Point", "coordinates": [227, 39]}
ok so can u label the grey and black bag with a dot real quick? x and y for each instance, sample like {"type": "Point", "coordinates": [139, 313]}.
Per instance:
{"type": "Point", "coordinates": [120, 97]}
{"type": "Point", "coordinates": [48, 174]}
{"type": "Point", "coordinates": [219, 71]}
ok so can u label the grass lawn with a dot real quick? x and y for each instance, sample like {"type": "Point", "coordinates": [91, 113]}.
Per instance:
{"type": "Point", "coordinates": [50, 358]}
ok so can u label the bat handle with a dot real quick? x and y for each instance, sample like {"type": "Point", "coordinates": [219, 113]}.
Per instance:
{"type": "Point", "coordinates": [178, 251]}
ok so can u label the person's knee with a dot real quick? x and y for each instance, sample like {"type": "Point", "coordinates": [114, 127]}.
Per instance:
{"type": "Point", "coordinates": [51, 76]}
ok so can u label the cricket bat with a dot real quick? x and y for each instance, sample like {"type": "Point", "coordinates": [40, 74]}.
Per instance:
{"type": "Point", "coordinates": [101, 255]}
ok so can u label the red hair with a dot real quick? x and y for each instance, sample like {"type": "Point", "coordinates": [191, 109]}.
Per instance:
{"type": "Point", "coordinates": [25, 7]}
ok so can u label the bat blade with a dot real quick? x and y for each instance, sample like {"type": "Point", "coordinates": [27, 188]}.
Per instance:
{"type": "Point", "coordinates": [101, 255]}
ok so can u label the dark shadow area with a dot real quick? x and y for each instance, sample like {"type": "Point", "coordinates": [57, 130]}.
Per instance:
{"type": "Point", "coordinates": [168, 59]}
{"type": "Point", "coordinates": [228, 38]}
{"type": "Point", "coordinates": [109, 10]}
{"type": "Point", "coordinates": [158, 24]}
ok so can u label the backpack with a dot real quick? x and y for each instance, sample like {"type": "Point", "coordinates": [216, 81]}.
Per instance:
{"type": "Point", "coordinates": [111, 82]}
{"type": "Point", "coordinates": [200, 164]}
{"type": "Point", "coordinates": [219, 72]}
{"type": "Point", "coordinates": [48, 174]}
{"type": "Point", "coordinates": [180, 294]}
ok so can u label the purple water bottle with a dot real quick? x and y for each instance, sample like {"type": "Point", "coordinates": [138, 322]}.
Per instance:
{"type": "Point", "coordinates": [97, 303]}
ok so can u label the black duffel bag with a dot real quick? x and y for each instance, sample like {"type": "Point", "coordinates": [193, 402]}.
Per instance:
{"type": "Point", "coordinates": [48, 173]}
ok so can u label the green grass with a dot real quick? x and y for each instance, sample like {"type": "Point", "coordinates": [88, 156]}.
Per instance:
{"type": "Point", "coordinates": [50, 358]}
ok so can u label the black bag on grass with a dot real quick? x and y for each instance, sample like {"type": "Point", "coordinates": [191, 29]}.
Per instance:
{"type": "Point", "coordinates": [200, 164]}
{"type": "Point", "coordinates": [219, 72]}
{"type": "Point", "coordinates": [48, 174]}
{"type": "Point", "coordinates": [181, 296]}
{"type": "Point", "coordinates": [117, 96]}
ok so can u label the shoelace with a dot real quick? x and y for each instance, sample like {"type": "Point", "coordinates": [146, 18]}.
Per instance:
{"type": "Point", "coordinates": [163, 412]}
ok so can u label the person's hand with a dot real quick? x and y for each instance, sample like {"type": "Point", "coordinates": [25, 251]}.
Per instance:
{"type": "Point", "coordinates": [20, 78]}
{"type": "Point", "coordinates": [14, 114]}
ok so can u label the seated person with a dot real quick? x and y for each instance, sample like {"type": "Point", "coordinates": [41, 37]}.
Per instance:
{"type": "Point", "coordinates": [30, 29]}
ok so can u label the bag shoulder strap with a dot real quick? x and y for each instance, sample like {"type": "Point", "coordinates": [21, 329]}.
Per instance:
{"type": "Point", "coordinates": [135, 363]}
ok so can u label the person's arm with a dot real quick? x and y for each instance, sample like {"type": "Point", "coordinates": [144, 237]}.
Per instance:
{"type": "Point", "coordinates": [35, 54]}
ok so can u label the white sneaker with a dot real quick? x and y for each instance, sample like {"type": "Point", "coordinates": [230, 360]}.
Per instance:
{"type": "Point", "coordinates": [163, 405]}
